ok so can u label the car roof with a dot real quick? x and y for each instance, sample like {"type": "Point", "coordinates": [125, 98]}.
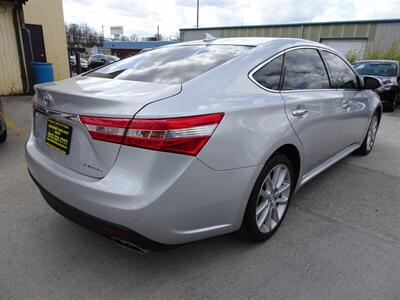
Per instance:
{"type": "Point", "coordinates": [243, 41]}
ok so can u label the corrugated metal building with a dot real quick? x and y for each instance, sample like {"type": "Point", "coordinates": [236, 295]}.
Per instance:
{"type": "Point", "coordinates": [357, 36]}
{"type": "Point", "coordinates": [126, 49]}
{"type": "Point", "coordinates": [30, 30]}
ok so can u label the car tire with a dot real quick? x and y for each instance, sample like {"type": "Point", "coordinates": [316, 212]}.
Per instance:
{"type": "Point", "coordinates": [370, 137]}
{"type": "Point", "coordinates": [3, 136]}
{"type": "Point", "coordinates": [393, 105]}
{"type": "Point", "coordinates": [272, 192]}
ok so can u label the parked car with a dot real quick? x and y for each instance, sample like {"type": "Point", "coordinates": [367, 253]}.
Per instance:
{"type": "Point", "coordinates": [388, 72]}
{"type": "Point", "coordinates": [84, 64]}
{"type": "Point", "coordinates": [3, 127]}
{"type": "Point", "coordinates": [98, 60]}
{"type": "Point", "coordinates": [197, 139]}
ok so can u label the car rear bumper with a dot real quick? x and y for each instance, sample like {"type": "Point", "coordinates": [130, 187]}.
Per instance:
{"type": "Point", "coordinates": [156, 199]}
{"type": "Point", "coordinates": [102, 227]}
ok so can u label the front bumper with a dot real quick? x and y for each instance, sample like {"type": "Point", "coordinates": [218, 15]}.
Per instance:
{"type": "Point", "coordinates": [388, 96]}
{"type": "Point", "coordinates": [157, 199]}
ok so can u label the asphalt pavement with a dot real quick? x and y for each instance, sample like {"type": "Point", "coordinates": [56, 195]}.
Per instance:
{"type": "Point", "coordinates": [340, 239]}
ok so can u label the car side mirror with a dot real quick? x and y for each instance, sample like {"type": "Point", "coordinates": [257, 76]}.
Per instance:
{"type": "Point", "coordinates": [371, 83]}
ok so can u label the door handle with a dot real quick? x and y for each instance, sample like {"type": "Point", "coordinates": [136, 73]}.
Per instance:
{"type": "Point", "coordinates": [299, 112]}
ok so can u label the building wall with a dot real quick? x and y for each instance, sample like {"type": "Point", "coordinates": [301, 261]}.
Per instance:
{"type": "Point", "coordinates": [10, 71]}
{"type": "Point", "coordinates": [377, 34]}
{"type": "Point", "coordinates": [386, 34]}
{"type": "Point", "coordinates": [49, 14]}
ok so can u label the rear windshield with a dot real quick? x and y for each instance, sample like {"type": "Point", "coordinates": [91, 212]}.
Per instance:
{"type": "Point", "coordinates": [170, 65]}
{"type": "Point", "coordinates": [377, 69]}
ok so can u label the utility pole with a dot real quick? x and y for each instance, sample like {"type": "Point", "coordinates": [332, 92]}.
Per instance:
{"type": "Point", "coordinates": [198, 4]}
{"type": "Point", "coordinates": [158, 32]}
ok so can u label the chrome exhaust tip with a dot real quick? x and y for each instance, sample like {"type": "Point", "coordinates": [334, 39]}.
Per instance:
{"type": "Point", "coordinates": [129, 246]}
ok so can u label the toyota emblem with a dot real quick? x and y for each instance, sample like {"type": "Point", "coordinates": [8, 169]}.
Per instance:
{"type": "Point", "coordinates": [48, 100]}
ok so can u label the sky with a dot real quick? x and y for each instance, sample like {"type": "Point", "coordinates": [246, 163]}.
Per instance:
{"type": "Point", "coordinates": [141, 17]}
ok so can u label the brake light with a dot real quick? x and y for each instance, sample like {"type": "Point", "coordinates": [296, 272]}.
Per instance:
{"type": "Point", "coordinates": [105, 129]}
{"type": "Point", "coordinates": [185, 135]}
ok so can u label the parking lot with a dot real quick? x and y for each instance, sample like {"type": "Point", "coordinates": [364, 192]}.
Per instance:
{"type": "Point", "coordinates": [340, 239]}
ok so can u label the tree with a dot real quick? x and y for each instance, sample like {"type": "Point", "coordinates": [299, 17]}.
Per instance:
{"type": "Point", "coordinates": [82, 35]}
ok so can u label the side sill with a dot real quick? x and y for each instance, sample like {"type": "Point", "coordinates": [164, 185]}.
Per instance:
{"type": "Point", "coordinates": [328, 163]}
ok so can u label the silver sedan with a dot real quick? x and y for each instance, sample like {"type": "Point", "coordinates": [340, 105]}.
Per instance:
{"type": "Point", "coordinates": [197, 139]}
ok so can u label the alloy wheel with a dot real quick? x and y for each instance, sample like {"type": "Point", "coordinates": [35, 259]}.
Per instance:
{"type": "Point", "coordinates": [273, 198]}
{"type": "Point", "coordinates": [372, 130]}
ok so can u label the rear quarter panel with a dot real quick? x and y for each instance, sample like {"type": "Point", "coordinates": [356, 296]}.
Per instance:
{"type": "Point", "coordinates": [254, 125]}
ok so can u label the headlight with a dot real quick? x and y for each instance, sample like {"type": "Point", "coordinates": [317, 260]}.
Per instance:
{"type": "Point", "coordinates": [388, 86]}
{"type": "Point", "coordinates": [385, 87]}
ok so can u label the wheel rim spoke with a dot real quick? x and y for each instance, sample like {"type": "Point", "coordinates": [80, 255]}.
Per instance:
{"type": "Point", "coordinates": [275, 214]}
{"type": "Point", "coordinates": [263, 216]}
{"type": "Point", "coordinates": [268, 220]}
{"type": "Point", "coordinates": [283, 188]}
{"type": "Point", "coordinates": [275, 176]}
{"type": "Point", "coordinates": [282, 200]}
{"type": "Point", "coordinates": [262, 207]}
{"type": "Point", "coordinates": [281, 177]}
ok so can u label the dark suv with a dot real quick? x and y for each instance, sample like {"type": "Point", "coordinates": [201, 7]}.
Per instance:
{"type": "Point", "coordinates": [387, 71]}
{"type": "Point", "coordinates": [97, 60]}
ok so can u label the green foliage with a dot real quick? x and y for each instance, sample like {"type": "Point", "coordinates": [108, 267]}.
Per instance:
{"type": "Point", "coordinates": [352, 56]}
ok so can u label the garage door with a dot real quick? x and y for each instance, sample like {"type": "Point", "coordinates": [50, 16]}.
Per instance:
{"type": "Point", "coordinates": [345, 46]}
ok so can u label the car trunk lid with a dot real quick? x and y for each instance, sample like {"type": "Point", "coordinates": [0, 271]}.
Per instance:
{"type": "Point", "coordinates": [59, 132]}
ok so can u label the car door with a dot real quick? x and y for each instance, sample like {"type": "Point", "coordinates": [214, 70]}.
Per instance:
{"type": "Point", "coordinates": [312, 107]}
{"type": "Point", "coordinates": [355, 101]}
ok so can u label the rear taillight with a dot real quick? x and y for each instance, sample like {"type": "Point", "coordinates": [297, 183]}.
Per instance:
{"type": "Point", "coordinates": [106, 129]}
{"type": "Point", "coordinates": [186, 135]}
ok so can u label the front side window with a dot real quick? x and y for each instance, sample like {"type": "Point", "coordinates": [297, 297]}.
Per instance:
{"type": "Point", "coordinates": [342, 76]}
{"type": "Point", "coordinates": [269, 76]}
{"type": "Point", "coordinates": [304, 70]}
{"type": "Point", "coordinates": [376, 68]}
{"type": "Point", "coordinates": [170, 65]}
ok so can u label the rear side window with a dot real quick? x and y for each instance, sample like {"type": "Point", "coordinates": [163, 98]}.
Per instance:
{"type": "Point", "coordinates": [341, 75]}
{"type": "Point", "coordinates": [269, 76]}
{"type": "Point", "coordinates": [170, 65]}
{"type": "Point", "coordinates": [304, 70]}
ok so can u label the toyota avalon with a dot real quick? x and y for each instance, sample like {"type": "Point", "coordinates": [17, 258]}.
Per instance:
{"type": "Point", "coordinates": [197, 139]}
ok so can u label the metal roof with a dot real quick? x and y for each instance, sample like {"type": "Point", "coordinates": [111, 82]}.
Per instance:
{"type": "Point", "coordinates": [18, 1]}
{"type": "Point", "coordinates": [137, 45]}
{"type": "Point", "coordinates": [296, 24]}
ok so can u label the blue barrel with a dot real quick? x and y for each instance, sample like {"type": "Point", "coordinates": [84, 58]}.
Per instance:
{"type": "Point", "coordinates": [42, 72]}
